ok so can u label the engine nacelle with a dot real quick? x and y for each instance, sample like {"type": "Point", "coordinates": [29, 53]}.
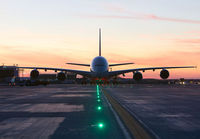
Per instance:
{"type": "Point", "coordinates": [61, 76]}
{"type": "Point", "coordinates": [34, 74]}
{"type": "Point", "coordinates": [164, 74]}
{"type": "Point", "coordinates": [137, 76]}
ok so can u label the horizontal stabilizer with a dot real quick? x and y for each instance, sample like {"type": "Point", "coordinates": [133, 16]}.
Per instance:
{"type": "Point", "coordinates": [87, 65]}
{"type": "Point", "coordinates": [120, 64]}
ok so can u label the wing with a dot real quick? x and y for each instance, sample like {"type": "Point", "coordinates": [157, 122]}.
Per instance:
{"type": "Point", "coordinates": [111, 65]}
{"type": "Point", "coordinates": [114, 73]}
{"type": "Point", "coordinates": [78, 64]}
{"type": "Point", "coordinates": [80, 72]}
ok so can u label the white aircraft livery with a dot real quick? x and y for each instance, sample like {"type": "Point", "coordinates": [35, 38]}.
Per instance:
{"type": "Point", "coordinates": [99, 69]}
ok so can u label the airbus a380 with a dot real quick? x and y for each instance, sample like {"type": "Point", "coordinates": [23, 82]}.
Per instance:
{"type": "Point", "coordinates": [99, 69]}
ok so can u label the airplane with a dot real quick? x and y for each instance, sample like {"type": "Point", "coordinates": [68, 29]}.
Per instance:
{"type": "Point", "coordinates": [99, 69]}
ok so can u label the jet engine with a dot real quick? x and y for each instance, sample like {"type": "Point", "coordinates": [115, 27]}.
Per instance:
{"type": "Point", "coordinates": [34, 74]}
{"type": "Point", "coordinates": [61, 76]}
{"type": "Point", "coordinates": [164, 74]}
{"type": "Point", "coordinates": [137, 76]}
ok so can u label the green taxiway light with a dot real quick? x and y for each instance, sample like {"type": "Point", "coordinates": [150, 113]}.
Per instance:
{"type": "Point", "coordinates": [98, 96]}
{"type": "Point", "coordinates": [98, 100]}
{"type": "Point", "coordinates": [100, 125]}
{"type": "Point", "coordinates": [97, 88]}
{"type": "Point", "coordinates": [99, 108]}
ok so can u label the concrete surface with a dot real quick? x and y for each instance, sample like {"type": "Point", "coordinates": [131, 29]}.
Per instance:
{"type": "Point", "coordinates": [170, 111]}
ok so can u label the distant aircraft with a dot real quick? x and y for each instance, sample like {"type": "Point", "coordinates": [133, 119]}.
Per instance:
{"type": "Point", "coordinates": [99, 69]}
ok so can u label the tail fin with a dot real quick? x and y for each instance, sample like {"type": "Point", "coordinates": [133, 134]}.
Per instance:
{"type": "Point", "coordinates": [99, 41]}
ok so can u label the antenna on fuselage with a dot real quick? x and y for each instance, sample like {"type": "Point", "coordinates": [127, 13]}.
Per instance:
{"type": "Point", "coordinates": [99, 41]}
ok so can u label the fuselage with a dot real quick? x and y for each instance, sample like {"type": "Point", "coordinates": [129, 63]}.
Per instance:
{"type": "Point", "coordinates": [99, 67]}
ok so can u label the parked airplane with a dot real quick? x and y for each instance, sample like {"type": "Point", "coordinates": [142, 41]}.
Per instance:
{"type": "Point", "coordinates": [99, 69]}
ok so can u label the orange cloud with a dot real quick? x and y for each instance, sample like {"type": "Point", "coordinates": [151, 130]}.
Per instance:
{"type": "Point", "coordinates": [25, 57]}
{"type": "Point", "coordinates": [193, 32]}
{"type": "Point", "coordinates": [192, 41]}
{"type": "Point", "coordinates": [146, 17]}
{"type": "Point", "coordinates": [172, 58]}
{"type": "Point", "coordinates": [132, 15]}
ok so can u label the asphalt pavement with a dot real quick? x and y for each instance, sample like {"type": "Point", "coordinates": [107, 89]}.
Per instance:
{"type": "Point", "coordinates": [56, 112]}
{"type": "Point", "coordinates": [166, 111]}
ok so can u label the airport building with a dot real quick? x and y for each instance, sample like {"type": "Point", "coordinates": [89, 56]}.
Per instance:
{"type": "Point", "coordinates": [8, 72]}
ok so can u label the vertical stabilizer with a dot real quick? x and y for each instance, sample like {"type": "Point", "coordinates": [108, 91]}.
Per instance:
{"type": "Point", "coordinates": [100, 42]}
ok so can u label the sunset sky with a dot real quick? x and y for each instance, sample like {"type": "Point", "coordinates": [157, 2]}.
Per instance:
{"type": "Point", "coordinates": [147, 32]}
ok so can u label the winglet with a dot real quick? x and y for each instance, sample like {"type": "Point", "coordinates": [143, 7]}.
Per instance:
{"type": "Point", "coordinates": [99, 41]}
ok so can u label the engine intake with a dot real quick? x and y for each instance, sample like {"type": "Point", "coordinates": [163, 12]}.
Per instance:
{"type": "Point", "coordinates": [34, 74]}
{"type": "Point", "coordinates": [164, 74]}
{"type": "Point", "coordinates": [137, 76]}
{"type": "Point", "coordinates": [61, 76]}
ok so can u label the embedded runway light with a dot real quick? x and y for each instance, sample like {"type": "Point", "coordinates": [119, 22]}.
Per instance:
{"type": "Point", "coordinates": [99, 108]}
{"type": "Point", "coordinates": [98, 100]}
{"type": "Point", "coordinates": [97, 89]}
{"type": "Point", "coordinates": [100, 125]}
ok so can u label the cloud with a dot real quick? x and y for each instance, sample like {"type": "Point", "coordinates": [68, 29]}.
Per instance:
{"type": "Point", "coordinates": [146, 17]}
{"type": "Point", "coordinates": [113, 7]}
{"type": "Point", "coordinates": [154, 17]}
{"type": "Point", "coordinates": [126, 14]}
{"type": "Point", "coordinates": [173, 58]}
{"type": "Point", "coordinates": [189, 41]}
{"type": "Point", "coordinates": [193, 32]}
